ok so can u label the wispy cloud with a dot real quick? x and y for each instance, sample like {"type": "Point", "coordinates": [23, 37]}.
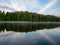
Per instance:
{"type": "Point", "coordinates": [55, 12]}
{"type": "Point", "coordinates": [33, 5]}
{"type": "Point", "coordinates": [27, 5]}
{"type": "Point", "coordinates": [23, 5]}
{"type": "Point", "coordinates": [4, 6]}
{"type": "Point", "coordinates": [18, 5]}
{"type": "Point", "coordinates": [47, 6]}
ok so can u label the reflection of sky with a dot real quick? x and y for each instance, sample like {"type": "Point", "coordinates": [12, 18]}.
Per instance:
{"type": "Point", "coordinates": [40, 37]}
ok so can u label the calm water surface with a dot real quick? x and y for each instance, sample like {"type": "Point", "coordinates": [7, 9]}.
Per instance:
{"type": "Point", "coordinates": [45, 36]}
{"type": "Point", "coordinates": [39, 37]}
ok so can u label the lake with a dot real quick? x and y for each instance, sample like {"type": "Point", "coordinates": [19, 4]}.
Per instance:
{"type": "Point", "coordinates": [29, 33]}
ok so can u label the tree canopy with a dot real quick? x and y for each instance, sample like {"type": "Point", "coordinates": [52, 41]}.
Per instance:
{"type": "Point", "coordinates": [27, 16]}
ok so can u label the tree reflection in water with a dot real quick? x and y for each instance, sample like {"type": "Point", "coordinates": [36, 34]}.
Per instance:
{"type": "Point", "coordinates": [26, 27]}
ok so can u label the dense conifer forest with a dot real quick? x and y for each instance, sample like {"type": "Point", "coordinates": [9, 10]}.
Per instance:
{"type": "Point", "coordinates": [27, 16]}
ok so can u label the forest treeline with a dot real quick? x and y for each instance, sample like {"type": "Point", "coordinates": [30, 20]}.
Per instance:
{"type": "Point", "coordinates": [27, 16]}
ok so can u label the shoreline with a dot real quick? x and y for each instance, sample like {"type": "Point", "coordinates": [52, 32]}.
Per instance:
{"type": "Point", "coordinates": [24, 22]}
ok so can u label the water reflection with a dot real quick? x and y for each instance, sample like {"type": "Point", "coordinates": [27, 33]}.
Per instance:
{"type": "Point", "coordinates": [38, 37]}
{"type": "Point", "coordinates": [26, 27]}
{"type": "Point", "coordinates": [37, 34]}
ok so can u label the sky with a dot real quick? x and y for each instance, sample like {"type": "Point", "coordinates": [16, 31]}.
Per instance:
{"type": "Point", "coordinates": [47, 7]}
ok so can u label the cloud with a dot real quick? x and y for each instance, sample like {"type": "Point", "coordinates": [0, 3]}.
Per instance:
{"type": "Point", "coordinates": [28, 5]}
{"type": "Point", "coordinates": [18, 5]}
{"type": "Point", "coordinates": [13, 6]}
{"type": "Point", "coordinates": [33, 5]}
{"type": "Point", "coordinates": [55, 12]}
{"type": "Point", "coordinates": [22, 5]}
{"type": "Point", "coordinates": [47, 6]}
{"type": "Point", "coordinates": [5, 7]}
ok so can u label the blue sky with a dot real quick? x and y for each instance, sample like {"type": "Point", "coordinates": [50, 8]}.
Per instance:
{"type": "Point", "coordinates": [51, 7]}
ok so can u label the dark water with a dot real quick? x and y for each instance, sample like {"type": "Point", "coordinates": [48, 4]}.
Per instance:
{"type": "Point", "coordinates": [29, 34]}
{"type": "Point", "coordinates": [27, 27]}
